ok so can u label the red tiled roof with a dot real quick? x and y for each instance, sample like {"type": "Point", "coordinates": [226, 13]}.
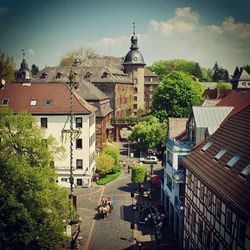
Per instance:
{"type": "Point", "coordinates": [225, 182]}
{"type": "Point", "coordinates": [20, 97]}
{"type": "Point", "coordinates": [239, 100]}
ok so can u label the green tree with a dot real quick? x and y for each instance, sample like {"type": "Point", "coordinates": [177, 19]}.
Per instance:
{"type": "Point", "coordinates": [148, 133]}
{"type": "Point", "coordinates": [32, 205]}
{"type": "Point", "coordinates": [223, 85]}
{"type": "Point", "coordinates": [138, 174]}
{"type": "Point", "coordinates": [164, 67]}
{"type": "Point", "coordinates": [176, 95]}
{"type": "Point", "coordinates": [247, 68]}
{"type": "Point", "coordinates": [81, 53]}
{"type": "Point", "coordinates": [104, 163]}
{"type": "Point", "coordinates": [219, 74]}
{"type": "Point", "coordinates": [7, 67]}
{"type": "Point", "coordinates": [206, 74]}
{"type": "Point", "coordinates": [34, 70]}
{"type": "Point", "coordinates": [113, 152]}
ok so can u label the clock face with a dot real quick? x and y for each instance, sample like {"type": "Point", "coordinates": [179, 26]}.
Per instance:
{"type": "Point", "coordinates": [135, 58]}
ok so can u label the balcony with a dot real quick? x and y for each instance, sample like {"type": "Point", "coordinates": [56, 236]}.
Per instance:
{"type": "Point", "coordinates": [178, 145]}
{"type": "Point", "coordinates": [178, 176]}
{"type": "Point", "coordinates": [179, 202]}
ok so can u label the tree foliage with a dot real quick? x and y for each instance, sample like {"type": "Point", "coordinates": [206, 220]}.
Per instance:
{"type": "Point", "coordinates": [247, 68]}
{"type": "Point", "coordinates": [164, 67]}
{"type": "Point", "coordinates": [149, 133]}
{"type": "Point", "coordinates": [219, 74]}
{"type": "Point", "coordinates": [223, 85]}
{"type": "Point", "coordinates": [138, 174]}
{"type": "Point", "coordinates": [34, 70]}
{"type": "Point", "coordinates": [104, 163]}
{"type": "Point", "coordinates": [176, 95]}
{"type": "Point", "coordinates": [32, 205]}
{"type": "Point", "coordinates": [113, 152]}
{"type": "Point", "coordinates": [81, 53]}
{"type": "Point", "coordinates": [7, 67]}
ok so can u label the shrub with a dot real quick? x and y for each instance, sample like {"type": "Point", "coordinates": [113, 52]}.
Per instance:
{"type": "Point", "coordinates": [139, 174]}
{"type": "Point", "coordinates": [108, 178]}
{"type": "Point", "coordinates": [113, 152]}
{"type": "Point", "coordinates": [116, 168]}
{"type": "Point", "coordinates": [104, 163]}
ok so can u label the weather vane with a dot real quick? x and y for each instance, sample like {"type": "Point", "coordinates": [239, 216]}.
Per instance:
{"type": "Point", "coordinates": [134, 27]}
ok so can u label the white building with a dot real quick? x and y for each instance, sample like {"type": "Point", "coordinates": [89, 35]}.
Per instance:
{"type": "Point", "coordinates": [49, 103]}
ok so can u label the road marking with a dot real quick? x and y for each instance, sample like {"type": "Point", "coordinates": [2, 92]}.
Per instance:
{"type": "Point", "coordinates": [86, 247]}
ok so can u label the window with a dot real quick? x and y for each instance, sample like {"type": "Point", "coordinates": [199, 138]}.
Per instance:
{"type": "Point", "coordinates": [208, 239]}
{"type": "Point", "coordinates": [48, 102]}
{"type": "Point", "coordinates": [169, 182]}
{"type": "Point", "coordinates": [189, 178]}
{"type": "Point", "coordinates": [242, 232]}
{"type": "Point", "coordinates": [5, 101]}
{"type": "Point", "coordinates": [200, 229]}
{"type": "Point", "coordinates": [135, 98]}
{"type": "Point", "coordinates": [58, 75]}
{"type": "Point", "coordinates": [209, 199]}
{"type": "Point", "coordinates": [193, 219]}
{"type": "Point", "coordinates": [79, 144]}
{"type": "Point", "coordinates": [220, 154]}
{"type": "Point", "coordinates": [216, 244]}
{"type": "Point", "coordinates": [246, 171]}
{"type": "Point", "coordinates": [79, 182]}
{"type": "Point", "coordinates": [151, 88]}
{"type": "Point", "coordinates": [229, 219]}
{"type": "Point", "coordinates": [170, 158]}
{"type": "Point", "coordinates": [79, 164]}
{"type": "Point", "coordinates": [44, 122]}
{"type": "Point", "coordinates": [33, 103]}
{"type": "Point", "coordinates": [218, 208]}
{"type": "Point", "coordinates": [233, 161]}
{"type": "Point", "coordinates": [202, 189]}
{"type": "Point", "coordinates": [135, 106]}
{"type": "Point", "coordinates": [207, 146]}
{"type": "Point", "coordinates": [64, 179]}
{"type": "Point", "coordinates": [79, 122]}
{"type": "Point", "coordinates": [188, 212]}
{"type": "Point", "coordinates": [195, 185]}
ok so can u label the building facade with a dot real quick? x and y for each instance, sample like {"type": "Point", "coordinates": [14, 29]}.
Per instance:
{"type": "Point", "coordinates": [217, 190]}
{"type": "Point", "coordinates": [49, 104]}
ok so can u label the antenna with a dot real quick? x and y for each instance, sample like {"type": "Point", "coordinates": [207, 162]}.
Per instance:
{"type": "Point", "coordinates": [134, 27]}
{"type": "Point", "coordinates": [23, 53]}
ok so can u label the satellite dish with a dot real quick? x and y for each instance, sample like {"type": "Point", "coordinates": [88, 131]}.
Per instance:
{"type": "Point", "coordinates": [3, 82]}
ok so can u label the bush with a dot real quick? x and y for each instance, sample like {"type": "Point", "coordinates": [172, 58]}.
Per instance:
{"type": "Point", "coordinates": [104, 163]}
{"type": "Point", "coordinates": [108, 178]}
{"type": "Point", "coordinates": [139, 174]}
{"type": "Point", "coordinates": [116, 168]}
{"type": "Point", "coordinates": [113, 152]}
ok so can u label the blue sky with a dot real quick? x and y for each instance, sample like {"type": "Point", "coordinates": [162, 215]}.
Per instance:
{"type": "Point", "coordinates": [199, 30]}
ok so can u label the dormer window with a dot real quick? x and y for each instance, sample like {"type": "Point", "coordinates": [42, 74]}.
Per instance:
{"type": "Point", "coordinates": [206, 146]}
{"type": "Point", "coordinates": [5, 101]}
{"type": "Point", "coordinates": [58, 75]}
{"type": "Point", "coordinates": [105, 74]}
{"type": "Point", "coordinates": [233, 161]}
{"type": "Point", "coordinates": [246, 171]}
{"type": "Point", "coordinates": [33, 103]}
{"type": "Point", "coordinates": [88, 74]}
{"type": "Point", "coordinates": [44, 75]}
{"type": "Point", "coordinates": [220, 154]}
{"type": "Point", "coordinates": [48, 102]}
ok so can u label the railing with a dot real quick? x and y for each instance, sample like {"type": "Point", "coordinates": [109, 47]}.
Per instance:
{"type": "Point", "coordinates": [178, 144]}
{"type": "Point", "coordinates": [178, 176]}
{"type": "Point", "coordinates": [179, 202]}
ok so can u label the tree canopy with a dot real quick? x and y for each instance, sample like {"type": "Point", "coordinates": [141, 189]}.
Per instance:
{"type": "Point", "coordinates": [148, 133]}
{"type": "Point", "coordinates": [176, 95]}
{"type": "Point", "coordinates": [164, 67]}
{"type": "Point", "coordinates": [104, 163]}
{"type": "Point", "coordinates": [34, 70]}
{"type": "Point", "coordinates": [81, 54]}
{"type": "Point", "coordinates": [223, 85]}
{"type": "Point", "coordinates": [219, 74]}
{"type": "Point", "coordinates": [7, 67]}
{"type": "Point", "coordinates": [32, 205]}
{"type": "Point", "coordinates": [138, 174]}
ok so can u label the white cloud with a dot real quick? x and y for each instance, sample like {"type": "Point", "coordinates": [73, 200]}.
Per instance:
{"type": "Point", "coordinates": [31, 51]}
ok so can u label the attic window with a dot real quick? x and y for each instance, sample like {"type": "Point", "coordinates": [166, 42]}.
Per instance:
{"type": "Point", "coordinates": [88, 75]}
{"type": "Point", "coordinates": [43, 76]}
{"type": "Point", "coordinates": [33, 103]}
{"type": "Point", "coordinates": [220, 154]}
{"type": "Point", "coordinates": [48, 102]}
{"type": "Point", "coordinates": [58, 75]}
{"type": "Point", "coordinates": [246, 171]}
{"type": "Point", "coordinates": [206, 146]}
{"type": "Point", "coordinates": [105, 74]}
{"type": "Point", "coordinates": [233, 161]}
{"type": "Point", "coordinates": [5, 101]}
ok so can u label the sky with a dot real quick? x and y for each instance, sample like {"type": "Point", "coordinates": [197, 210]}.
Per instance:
{"type": "Point", "coordinates": [198, 30]}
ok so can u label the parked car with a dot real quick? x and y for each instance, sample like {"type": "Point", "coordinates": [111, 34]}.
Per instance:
{"type": "Point", "coordinates": [149, 160]}
{"type": "Point", "coordinates": [153, 152]}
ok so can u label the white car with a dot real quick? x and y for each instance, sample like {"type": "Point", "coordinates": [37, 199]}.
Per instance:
{"type": "Point", "coordinates": [149, 160]}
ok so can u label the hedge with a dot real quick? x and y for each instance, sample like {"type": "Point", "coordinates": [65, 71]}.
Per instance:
{"type": "Point", "coordinates": [108, 178]}
{"type": "Point", "coordinates": [138, 174]}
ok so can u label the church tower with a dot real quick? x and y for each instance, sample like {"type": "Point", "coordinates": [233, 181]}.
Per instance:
{"type": "Point", "coordinates": [134, 67]}
{"type": "Point", "coordinates": [23, 74]}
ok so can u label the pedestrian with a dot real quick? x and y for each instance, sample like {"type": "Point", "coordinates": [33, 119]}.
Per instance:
{"type": "Point", "coordinates": [151, 169]}
{"type": "Point", "coordinates": [128, 168]}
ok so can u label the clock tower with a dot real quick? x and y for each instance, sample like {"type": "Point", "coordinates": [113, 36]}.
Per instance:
{"type": "Point", "coordinates": [134, 67]}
